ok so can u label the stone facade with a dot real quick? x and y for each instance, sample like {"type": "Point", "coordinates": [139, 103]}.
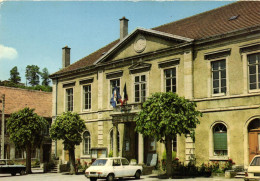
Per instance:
{"type": "Point", "coordinates": [214, 70]}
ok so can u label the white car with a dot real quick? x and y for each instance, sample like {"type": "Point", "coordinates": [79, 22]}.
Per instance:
{"type": "Point", "coordinates": [111, 168]}
{"type": "Point", "coordinates": [253, 171]}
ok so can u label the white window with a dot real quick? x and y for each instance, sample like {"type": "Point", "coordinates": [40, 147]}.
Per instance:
{"type": "Point", "coordinates": [87, 96]}
{"type": "Point", "coordinates": [254, 71]}
{"type": "Point", "coordinates": [86, 143]}
{"type": "Point", "coordinates": [69, 99]}
{"type": "Point", "coordinates": [170, 80]}
{"type": "Point", "coordinates": [140, 88]}
{"type": "Point", "coordinates": [218, 69]}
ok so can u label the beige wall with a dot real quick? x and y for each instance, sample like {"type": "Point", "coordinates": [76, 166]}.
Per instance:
{"type": "Point", "coordinates": [233, 109]}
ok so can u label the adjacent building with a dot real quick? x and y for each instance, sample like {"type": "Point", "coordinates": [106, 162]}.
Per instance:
{"type": "Point", "coordinates": [212, 58]}
{"type": "Point", "coordinates": [16, 99]}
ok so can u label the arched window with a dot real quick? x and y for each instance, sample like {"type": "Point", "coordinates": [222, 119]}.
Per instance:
{"type": "Point", "coordinates": [111, 140]}
{"type": "Point", "coordinates": [220, 139]}
{"type": "Point", "coordinates": [86, 143]}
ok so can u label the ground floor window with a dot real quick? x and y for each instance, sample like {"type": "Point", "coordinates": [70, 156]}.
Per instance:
{"type": "Point", "coordinates": [220, 140]}
{"type": "Point", "coordinates": [86, 143]}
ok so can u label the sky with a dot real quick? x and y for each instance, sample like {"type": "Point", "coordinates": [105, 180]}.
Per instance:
{"type": "Point", "coordinates": [34, 32]}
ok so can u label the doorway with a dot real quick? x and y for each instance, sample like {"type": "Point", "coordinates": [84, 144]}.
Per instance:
{"type": "Point", "coordinates": [254, 138]}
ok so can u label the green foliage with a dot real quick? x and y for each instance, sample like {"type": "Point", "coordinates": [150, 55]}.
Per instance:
{"type": "Point", "coordinates": [166, 115]}
{"type": "Point", "coordinates": [22, 86]}
{"type": "Point", "coordinates": [45, 77]}
{"type": "Point", "coordinates": [68, 127]}
{"type": "Point", "coordinates": [14, 75]}
{"type": "Point", "coordinates": [110, 153]}
{"type": "Point", "coordinates": [26, 127]}
{"type": "Point", "coordinates": [33, 74]}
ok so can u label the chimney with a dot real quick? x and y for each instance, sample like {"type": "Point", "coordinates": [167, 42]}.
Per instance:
{"type": "Point", "coordinates": [123, 27]}
{"type": "Point", "coordinates": [65, 56]}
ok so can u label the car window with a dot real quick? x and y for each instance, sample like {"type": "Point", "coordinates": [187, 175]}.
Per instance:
{"type": "Point", "coordinates": [99, 162]}
{"type": "Point", "coordinates": [256, 162]}
{"type": "Point", "coordinates": [116, 162]}
{"type": "Point", "coordinates": [125, 162]}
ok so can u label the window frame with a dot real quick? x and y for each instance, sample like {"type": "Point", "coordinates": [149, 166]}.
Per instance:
{"type": "Point", "coordinates": [220, 78]}
{"type": "Point", "coordinates": [110, 90]}
{"type": "Point", "coordinates": [83, 97]}
{"type": "Point", "coordinates": [140, 83]}
{"type": "Point", "coordinates": [164, 78]}
{"type": "Point", "coordinates": [210, 77]}
{"type": "Point", "coordinates": [66, 99]}
{"type": "Point", "coordinates": [212, 156]}
{"type": "Point", "coordinates": [84, 142]}
{"type": "Point", "coordinates": [248, 72]}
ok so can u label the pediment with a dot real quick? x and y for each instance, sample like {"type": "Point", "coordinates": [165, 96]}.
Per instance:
{"type": "Point", "coordinates": [141, 41]}
{"type": "Point", "coordinates": [140, 67]}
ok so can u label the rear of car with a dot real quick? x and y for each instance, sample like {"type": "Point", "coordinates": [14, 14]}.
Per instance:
{"type": "Point", "coordinates": [253, 171]}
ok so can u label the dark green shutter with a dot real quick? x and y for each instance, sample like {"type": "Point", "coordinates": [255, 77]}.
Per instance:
{"type": "Point", "coordinates": [220, 141]}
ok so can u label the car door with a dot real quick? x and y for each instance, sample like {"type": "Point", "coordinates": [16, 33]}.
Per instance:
{"type": "Point", "coordinates": [128, 170]}
{"type": "Point", "coordinates": [117, 167]}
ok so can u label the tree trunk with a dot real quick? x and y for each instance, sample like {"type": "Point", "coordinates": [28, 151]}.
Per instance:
{"type": "Point", "coordinates": [168, 145]}
{"type": "Point", "coordinates": [28, 159]}
{"type": "Point", "coordinates": [72, 161]}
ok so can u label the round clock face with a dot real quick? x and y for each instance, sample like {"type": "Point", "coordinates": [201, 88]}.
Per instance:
{"type": "Point", "coordinates": [140, 44]}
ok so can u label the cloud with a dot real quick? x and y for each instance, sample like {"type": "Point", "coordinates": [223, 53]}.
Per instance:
{"type": "Point", "coordinates": [7, 52]}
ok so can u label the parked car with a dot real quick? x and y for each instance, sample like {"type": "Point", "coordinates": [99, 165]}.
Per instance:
{"type": "Point", "coordinates": [111, 168]}
{"type": "Point", "coordinates": [8, 166]}
{"type": "Point", "coordinates": [253, 171]}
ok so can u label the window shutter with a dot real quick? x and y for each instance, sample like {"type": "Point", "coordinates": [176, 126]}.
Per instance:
{"type": "Point", "coordinates": [220, 141]}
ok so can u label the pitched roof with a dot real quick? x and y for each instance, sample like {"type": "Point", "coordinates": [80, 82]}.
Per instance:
{"type": "Point", "coordinates": [229, 18]}
{"type": "Point", "coordinates": [16, 99]}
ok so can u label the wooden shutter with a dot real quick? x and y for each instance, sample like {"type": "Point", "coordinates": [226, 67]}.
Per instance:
{"type": "Point", "coordinates": [220, 141]}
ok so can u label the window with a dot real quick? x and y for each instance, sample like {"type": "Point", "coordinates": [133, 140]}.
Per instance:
{"type": "Point", "coordinates": [219, 76]}
{"type": "Point", "coordinates": [220, 139]}
{"type": "Point", "coordinates": [19, 153]}
{"type": "Point", "coordinates": [140, 88]}
{"type": "Point", "coordinates": [114, 83]}
{"type": "Point", "coordinates": [125, 162]}
{"type": "Point", "coordinates": [69, 99]}
{"type": "Point", "coordinates": [152, 144]}
{"type": "Point", "coordinates": [254, 71]}
{"type": "Point", "coordinates": [87, 96]}
{"type": "Point", "coordinates": [170, 80]}
{"type": "Point", "coordinates": [116, 162]}
{"type": "Point", "coordinates": [86, 143]}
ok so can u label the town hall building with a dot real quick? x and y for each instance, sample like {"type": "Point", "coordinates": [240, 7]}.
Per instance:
{"type": "Point", "coordinates": [212, 58]}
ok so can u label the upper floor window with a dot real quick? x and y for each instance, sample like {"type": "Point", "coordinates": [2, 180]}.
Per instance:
{"type": "Point", "coordinates": [114, 83]}
{"type": "Point", "coordinates": [219, 76]}
{"type": "Point", "coordinates": [170, 80]}
{"type": "Point", "coordinates": [254, 71]}
{"type": "Point", "coordinates": [140, 88]}
{"type": "Point", "coordinates": [69, 99]}
{"type": "Point", "coordinates": [87, 96]}
{"type": "Point", "coordinates": [220, 139]}
{"type": "Point", "coordinates": [86, 143]}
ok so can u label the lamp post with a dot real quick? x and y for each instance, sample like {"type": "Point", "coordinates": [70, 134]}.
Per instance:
{"type": "Point", "coordinates": [3, 127]}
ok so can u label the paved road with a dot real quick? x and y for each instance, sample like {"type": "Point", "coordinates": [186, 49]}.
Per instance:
{"type": "Point", "coordinates": [66, 177]}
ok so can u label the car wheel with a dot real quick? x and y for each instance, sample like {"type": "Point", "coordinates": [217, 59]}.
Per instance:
{"type": "Point", "coordinates": [22, 172]}
{"type": "Point", "coordinates": [13, 174]}
{"type": "Point", "coordinates": [93, 179]}
{"type": "Point", "coordinates": [110, 177]}
{"type": "Point", "coordinates": [137, 174]}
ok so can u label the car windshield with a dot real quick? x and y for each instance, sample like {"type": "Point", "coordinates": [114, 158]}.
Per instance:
{"type": "Point", "coordinates": [256, 162]}
{"type": "Point", "coordinates": [100, 162]}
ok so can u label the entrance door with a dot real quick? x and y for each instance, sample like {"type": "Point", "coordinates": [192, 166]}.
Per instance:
{"type": "Point", "coordinates": [254, 143]}
{"type": "Point", "coordinates": [46, 152]}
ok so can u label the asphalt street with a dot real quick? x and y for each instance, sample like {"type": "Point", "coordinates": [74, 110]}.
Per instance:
{"type": "Point", "coordinates": [67, 177]}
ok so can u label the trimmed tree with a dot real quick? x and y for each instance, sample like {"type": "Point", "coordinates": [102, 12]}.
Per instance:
{"type": "Point", "coordinates": [69, 128]}
{"type": "Point", "coordinates": [26, 132]}
{"type": "Point", "coordinates": [163, 116]}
